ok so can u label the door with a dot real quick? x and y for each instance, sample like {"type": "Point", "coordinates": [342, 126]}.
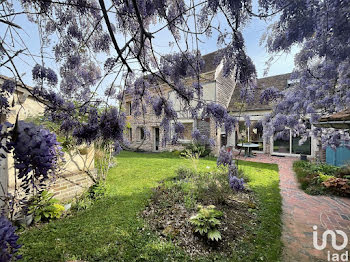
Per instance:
{"type": "Point", "coordinates": [156, 138]}
{"type": "Point", "coordinates": [338, 157]}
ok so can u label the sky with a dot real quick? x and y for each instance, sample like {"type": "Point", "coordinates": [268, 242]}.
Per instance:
{"type": "Point", "coordinates": [252, 34]}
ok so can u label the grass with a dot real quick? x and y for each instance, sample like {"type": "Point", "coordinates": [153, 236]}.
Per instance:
{"type": "Point", "coordinates": [111, 230]}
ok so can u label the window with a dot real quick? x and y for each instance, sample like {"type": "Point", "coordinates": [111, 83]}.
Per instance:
{"type": "Point", "coordinates": [223, 140]}
{"type": "Point", "coordinates": [288, 144]}
{"type": "Point", "coordinates": [141, 133]}
{"type": "Point", "coordinates": [188, 131]}
{"type": "Point", "coordinates": [255, 135]}
{"type": "Point", "coordinates": [304, 149]}
{"type": "Point", "coordinates": [252, 134]}
{"type": "Point", "coordinates": [128, 108]}
{"type": "Point", "coordinates": [130, 134]}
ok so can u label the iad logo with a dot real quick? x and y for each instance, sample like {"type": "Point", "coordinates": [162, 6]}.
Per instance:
{"type": "Point", "coordinates": [332, 234]}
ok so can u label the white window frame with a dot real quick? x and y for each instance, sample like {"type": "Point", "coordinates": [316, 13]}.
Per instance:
{"type": "Point", "coordinates": [272, 141]}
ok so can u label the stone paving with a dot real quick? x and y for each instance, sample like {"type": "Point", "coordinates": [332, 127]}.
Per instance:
{"type": "Point", "coordinates": [302, 211]}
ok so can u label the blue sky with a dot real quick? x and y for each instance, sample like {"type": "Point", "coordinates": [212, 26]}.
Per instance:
{"type": "Point", "coordinates": [252, 34]}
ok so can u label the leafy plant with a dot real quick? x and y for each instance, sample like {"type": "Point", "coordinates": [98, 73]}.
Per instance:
{"type": "Point", "coordinates": [196, 149]}
{"type": "Point", "coordinates": [206, 222]}
{"type": "Point", "coordinates": [323, 177]}
{"type": "Point", "coordinates": [81, 203]}
{"type": "Point", "coordinates": [44, 207]}
{"type": "Point", "coordinates": [193, 157]}
{"type": "Point", "coordinates": [8, 241]}
{"type": "Point", "coordinates": [343, 171]}
{"type": "Point", "coordinates": [339, 185]}
{"type": "Point", "coordinates": [97, 191]}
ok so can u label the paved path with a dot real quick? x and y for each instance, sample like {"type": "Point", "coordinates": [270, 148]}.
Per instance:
{"type": "Point", "coordinates": [302, 211]}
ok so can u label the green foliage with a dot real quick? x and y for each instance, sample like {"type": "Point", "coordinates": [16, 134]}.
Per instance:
{"type": "Point", "coordinates": [315, 168]}
{"type": "Point", "coordinates": [82, 202]}
{"type": "Point", "coordinates": [201, 186]}
{"type": "Point", "coordinates": [176, 153]}
{"type": "Point", "coordinates": [44, 207]}
{"type": "Point", "coordinates": [313, 178]}
{"type": "Point", "coordinates": [196, 149]}
{"type": "Point", "coordinates": [97, 190]}
{"type": "Point", "coordinates": [86, 200]}
{"type": "Point", "coordinates": [324, 177]}
{"type": "Point", "coordinates": [206, 222]}
{"type": "Point", "coordinates": [344, 172]}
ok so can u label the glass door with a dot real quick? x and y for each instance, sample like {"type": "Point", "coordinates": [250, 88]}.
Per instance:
{"type": "Point", "coordinates": [282, 144]}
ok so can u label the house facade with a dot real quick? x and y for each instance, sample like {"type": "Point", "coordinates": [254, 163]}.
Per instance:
{"type": "Point", "coordinates": [224, 91]}
{"type": "Point", "coordinates": [256, 112]}
{"type": "Point", "coordinates": [216, 88]}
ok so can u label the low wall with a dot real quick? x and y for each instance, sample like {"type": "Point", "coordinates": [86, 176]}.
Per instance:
{"type": "Point", "coordinates": [70, 185]}
{"type": "Point", "coordinates": [74, 178]}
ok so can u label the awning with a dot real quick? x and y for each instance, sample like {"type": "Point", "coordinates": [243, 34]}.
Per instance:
{"type": "Point", "coordinates": [340, 120]}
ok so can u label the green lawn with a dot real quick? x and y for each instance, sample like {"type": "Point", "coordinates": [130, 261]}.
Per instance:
{"type": "Point", "coordinates": [111, 229]}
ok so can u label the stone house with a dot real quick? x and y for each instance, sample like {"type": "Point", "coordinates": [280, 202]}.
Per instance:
{"type": "Point", "coordinates": [72, 178]}
{"type": "Point", "coordinates": [226, 92]}
{"type": "Point", "coordinates": [216, 89]}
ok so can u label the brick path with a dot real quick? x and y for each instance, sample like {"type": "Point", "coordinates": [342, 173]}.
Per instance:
{"type": "Point", "coordinates": [301, 212]}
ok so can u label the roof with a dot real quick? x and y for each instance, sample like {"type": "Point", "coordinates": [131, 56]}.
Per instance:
{"type": "Point", "coordinates": [27, 87]}
{"type": "Point", "coordinates": [340, 120]}
{"type": "Point", "coordinates": [279, 81]}
{"type": "Point", "coordinates": [340, 116]}
{"type": "Point", "coordinates": [209, 65]}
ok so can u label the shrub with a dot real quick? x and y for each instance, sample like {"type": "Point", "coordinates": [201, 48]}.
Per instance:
{"type": "Point", "coordinates": [343, 171]}
{"type": "Point", "coordinates": [312, 176]}
{"type": "Point", "coordinates": [206, 222]}
{"type": "Point", "coordinates": [8, 241]}
{"type": "Point", "coordinates": [315, 168]}
{"type": "Point", "coordinates": [44, 207]}
{"type": "Point", "coordinates": [196, 149]}
{"type": "Point", "coordinates": [184, 172]}
{"type": "Point", "coordinates": [81, 203]}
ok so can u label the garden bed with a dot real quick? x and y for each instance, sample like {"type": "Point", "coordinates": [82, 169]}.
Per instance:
{"type": "Point", "coordinates": [323, 179]}
{"type": "Point", "coordinates": [175, 201]}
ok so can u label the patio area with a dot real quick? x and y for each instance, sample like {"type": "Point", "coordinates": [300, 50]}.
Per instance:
{"type": "Point", "coordinates": [302, 211]}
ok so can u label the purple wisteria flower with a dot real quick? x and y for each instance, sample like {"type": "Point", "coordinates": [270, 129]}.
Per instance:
{"type": "Point", "coordinates": [8, 241]}
{"type": "Point", "coordinates": [236, 183]}
{"type": "Point", "coordinates": [269, 94]}
{"type": "Point", "coordinates": [225, 157]}
{"type": "Point", "coordinates": [36, 153]}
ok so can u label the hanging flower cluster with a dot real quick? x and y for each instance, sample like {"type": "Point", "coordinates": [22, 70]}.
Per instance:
{"type": "Point", "coordinates": [8, 241]}
{"type": "Point", "coordinates": [36, 153]}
